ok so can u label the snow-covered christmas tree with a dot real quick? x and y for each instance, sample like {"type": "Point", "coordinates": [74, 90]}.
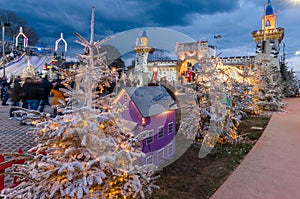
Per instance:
{"type": "Point", "coordinates": [85, 152]}
{"type": "Point", "coordinates": [269, 87]}
{"type": "Point", "coordinates": [224, 97]}
{"type": "Point", "coordinates": [291, 86]}
{"type": "Point", "coordinates": [29, 71]}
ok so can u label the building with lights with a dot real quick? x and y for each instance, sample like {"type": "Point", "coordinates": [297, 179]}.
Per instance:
{"type": "Point", "coordinates": [269, 37]}
{"type": "Point", "coordinates": [142, 50]}
{"type": "Point", "coordinates": [188, 56]}
{"type": "Point", "coordinates": [267, 41]}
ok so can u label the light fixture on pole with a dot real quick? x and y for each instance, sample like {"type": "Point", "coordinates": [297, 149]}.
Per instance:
{"type": "Point", "coordinates": [293, 53]}
{"type": "Point", "coordinates": [3, 25]}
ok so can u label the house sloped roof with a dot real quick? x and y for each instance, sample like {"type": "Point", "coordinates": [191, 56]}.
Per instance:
{"type": "Point", "coordinates": [151, 100]}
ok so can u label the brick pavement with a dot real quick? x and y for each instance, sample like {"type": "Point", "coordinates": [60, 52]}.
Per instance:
{"type": "Point", "coordinates": [13, 135]}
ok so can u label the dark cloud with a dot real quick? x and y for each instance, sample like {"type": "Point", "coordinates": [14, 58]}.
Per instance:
{"type": "Point", "coordinates": [199, 19]}
{"type": "Point", "coordinates": [168, 13]}
{"type": "Point", "coordinates": [112, 16]}
{"type": "Point", "coordinates": [120, 16]}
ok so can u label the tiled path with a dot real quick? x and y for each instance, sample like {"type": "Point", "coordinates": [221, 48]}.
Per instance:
{"type": "Point", "coordinates": [13, 135]}
{"type": "Point", "coordinates": [271, 170]}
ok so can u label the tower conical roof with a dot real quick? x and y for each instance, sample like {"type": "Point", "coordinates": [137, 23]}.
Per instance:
{"type": "Point", "coordinates": [144, 34]}
{"type": "Point", "coordinates": [269, 8]}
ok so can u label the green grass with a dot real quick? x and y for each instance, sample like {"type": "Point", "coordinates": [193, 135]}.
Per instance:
{"type": "Point", "coordinates": [191, 177]}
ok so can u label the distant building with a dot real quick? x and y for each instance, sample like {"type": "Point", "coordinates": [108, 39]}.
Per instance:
{"type": "Point", "coordinates": [189, 55]}
{"type": "Point", "coordinates": [267, 42]}
{"type": "Point", "coordinates": [269, 37]}
{"type": "Point", "coordinates": [239, 61]}
{"type": "Point", "coordinates": [142, 50]}
{"type": "Point", "coordinates": [165, 68]}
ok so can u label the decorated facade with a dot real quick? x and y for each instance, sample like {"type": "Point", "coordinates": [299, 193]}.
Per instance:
{"type": "Point", "coordinates": [269, 37]}
{"type": "Point", "coordinates": [164, 69]}
{"type": "Point", "coordinates": [189, 54]}
{"type": "Point", "coordinates": [151, 115]}
{"type": "Point", "coordinates": [188, 57]}
{"type": "Point", "coordinates": [267, 41]}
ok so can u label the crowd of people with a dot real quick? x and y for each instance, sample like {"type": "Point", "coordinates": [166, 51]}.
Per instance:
{"type": "Point", "coordinates": [34, 94]}
{"type": "Point", "coordinates": [31, 93]}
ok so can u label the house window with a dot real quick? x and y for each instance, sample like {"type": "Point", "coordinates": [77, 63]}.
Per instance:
{"type": "Point", "coordinates": [170, 128]}
{"type": "Point", "coordinates": [160, 132]}
{"type": "Point", "coordinates": [150, 138]}
{"type": "Point", "coordinates": [149, 159]}
{"type": "Point", "coordinates": [160, 155]}
{"type": "Point", "coordinates": [170, 149]}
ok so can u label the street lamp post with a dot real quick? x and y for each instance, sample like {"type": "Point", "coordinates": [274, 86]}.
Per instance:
{"type": "Point", "coordinates": [3, 47]}
{"type": "Point", "coordinates": [290, 53]}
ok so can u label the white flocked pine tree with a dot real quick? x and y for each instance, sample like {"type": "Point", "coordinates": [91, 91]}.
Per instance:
{"type": "Point", "coordinates": [29, 71]}
{"type": "Point", "coordinates": [223, 94]}
{"type": "Point", "coordinates": [85, 152]}
{"type": "Point", "coordinates": [269, 88]}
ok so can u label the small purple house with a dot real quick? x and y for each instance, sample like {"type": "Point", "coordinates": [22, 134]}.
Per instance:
{"type": "Point", "coordinates": [152, 110]}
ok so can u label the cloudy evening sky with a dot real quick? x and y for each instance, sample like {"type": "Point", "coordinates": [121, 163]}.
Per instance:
{"type": "Point", "coordinates": [234, 20]}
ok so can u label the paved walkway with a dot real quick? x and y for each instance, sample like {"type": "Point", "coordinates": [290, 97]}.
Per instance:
{"type": "Point", "coordinates": [271, 170]}
{"type": "Point", "coordinates": [13, 135]}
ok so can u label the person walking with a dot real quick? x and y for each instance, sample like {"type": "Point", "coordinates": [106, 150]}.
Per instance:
{"type": "Point", "coordinates": [5, 86]}
{"type": "Point", "coordinates": [33, 93]}
{"type": "Point", "coordinates": [58, 96]}
{"type": "Point", "coordinates": [15, 94]}
{"type": "Point", "coordinates": [47, 86]}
